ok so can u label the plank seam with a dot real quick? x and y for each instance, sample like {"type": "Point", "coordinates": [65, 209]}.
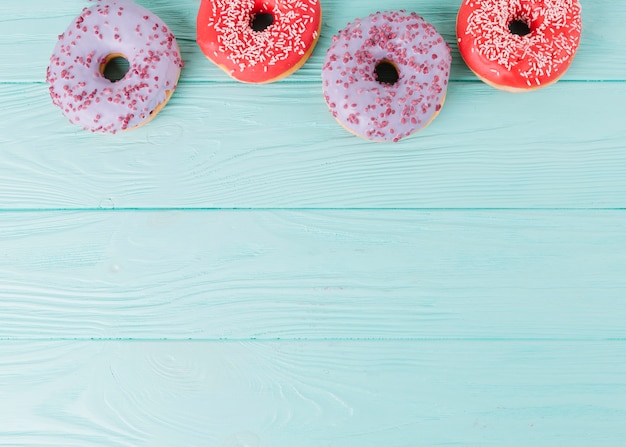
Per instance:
{"type": "Point", "coordinates": [308, 209]}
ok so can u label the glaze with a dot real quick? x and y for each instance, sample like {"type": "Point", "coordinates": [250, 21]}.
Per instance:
{"type": "Point", "coordinates": [76, 71]}
{"type": "Point", "coordinates": [376, 110]}
{"type": "Point", "coordinates": [519, 62]}
{"type": "Point", "coordinates": [226, 37]}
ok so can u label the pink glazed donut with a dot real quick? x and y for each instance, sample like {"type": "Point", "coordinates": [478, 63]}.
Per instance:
{"type": "Point", "coordinates": [519, 45]}
{"type": "Point", "coordinates": [110, 29]}
{"type": "Point", "coordinates": [376, 109]}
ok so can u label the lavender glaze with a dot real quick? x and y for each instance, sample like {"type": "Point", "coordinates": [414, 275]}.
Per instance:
{"type": "Point", "coordinates": [376, 110]}
{"type": "Point", "coordinates": [115, 27]}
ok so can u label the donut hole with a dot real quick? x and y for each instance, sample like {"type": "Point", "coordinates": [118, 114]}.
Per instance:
{"type": "Point", "coordinates": [115, 67]}
{"type": "Point", "coordinates": [260, 21]}
{"type": "Point", "coordinates": [386, 72]}
{"type": "Point", "coordinates": [519, 27]}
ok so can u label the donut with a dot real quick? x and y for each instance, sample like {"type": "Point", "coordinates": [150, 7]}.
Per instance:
{"type": "Point", "coordinates": [518, 45]}
{"type": "Point", "coordinates": [258, 41]}
{"type": "Point", "coordinates": [372, 104]}
{"type": "Point", "coordinates": [101, 33]}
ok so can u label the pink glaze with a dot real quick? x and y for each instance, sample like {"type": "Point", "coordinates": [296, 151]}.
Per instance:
{"type": "Point", "coordinates": [518, 62]}
{"type": "Point", "coordinates": [379, 111]}
{"type": "Point", "coordinates": [77, 85]}
{"type": "Point", "coordinates": [226, 37]}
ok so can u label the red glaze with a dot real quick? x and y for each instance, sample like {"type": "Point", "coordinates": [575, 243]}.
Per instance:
{"type": "Point", "coordinates": [226, 37]}
{"type": "Point", "coordinates": [513, 62]}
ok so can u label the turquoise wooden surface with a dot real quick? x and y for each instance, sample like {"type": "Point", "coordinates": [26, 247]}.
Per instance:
{"type": "Point", "coordinates": [241, 272]}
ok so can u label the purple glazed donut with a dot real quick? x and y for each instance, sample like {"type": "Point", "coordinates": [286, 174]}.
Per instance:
{"type": "Point", "coordinates": [382, 110]}
{"type": "Point", "coordinates": [107, 30]}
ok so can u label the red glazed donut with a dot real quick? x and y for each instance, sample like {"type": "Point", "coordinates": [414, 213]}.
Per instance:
{"type": "Point", "coordinates": [226, 36]}
{"type": "Point", "coordinates": [519, 45]}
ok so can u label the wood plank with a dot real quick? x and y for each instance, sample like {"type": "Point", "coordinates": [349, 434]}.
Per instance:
{"type": "Point", "coordinates": [276, 146]}
{"type": "Point", "coordinates": [312, 394]}
{"type": "Point", "coordinates": [28, 35]}
{"type": "Point", "coordinates": [315, 275]}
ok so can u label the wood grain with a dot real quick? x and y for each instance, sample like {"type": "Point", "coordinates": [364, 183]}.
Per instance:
{"type": "Point", "coordinates": [312, 394]}
{"type": "Point", "coordinates": [313, 275]}
{"type": "Point", "coordinates": [217, 146]}
{"type": "Point", "coordinates": [36, 30]}
{"type": "Point", "coordinates": [244, 273]}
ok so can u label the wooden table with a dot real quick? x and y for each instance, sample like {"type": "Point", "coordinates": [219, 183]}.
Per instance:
{"type": "Point", "coordinates": [242, 272]}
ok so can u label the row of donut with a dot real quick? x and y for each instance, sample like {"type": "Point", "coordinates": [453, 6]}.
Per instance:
{"type": "Point", "coordinates": [384, 76]}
